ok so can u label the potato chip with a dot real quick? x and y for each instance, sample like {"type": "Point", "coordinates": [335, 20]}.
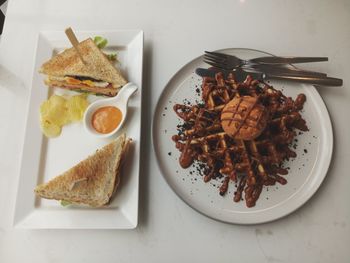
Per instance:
{"type": "Point", "coordinates": [50, 129]}
{"type": "Point", "coordinates": [76, 107]}
{"type": "Point", "coordinates": [58, 111]}
{"type": "Point", "coordinates": [55, 110]}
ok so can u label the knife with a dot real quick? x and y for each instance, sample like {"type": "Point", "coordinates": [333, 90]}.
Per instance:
{"type": "Point", "coordinates": [241, 75]}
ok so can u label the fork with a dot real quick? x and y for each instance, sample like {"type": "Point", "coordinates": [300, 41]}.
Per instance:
{"type": "Point", "coordinates": [229, 62]}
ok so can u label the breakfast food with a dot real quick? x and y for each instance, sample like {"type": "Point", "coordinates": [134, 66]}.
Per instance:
{"type": "Point", "coordinates": [58, 111]}
{"type": "Point", "coordinates": [92, 181]}
{"type": "Point", "coordinates": [242, 132]}
{"type": "Point", "coordinates": [95, 73]}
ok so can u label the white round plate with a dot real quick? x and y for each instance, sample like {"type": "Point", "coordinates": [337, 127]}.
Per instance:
{"type": "Point", "coordinates": [306, 173]}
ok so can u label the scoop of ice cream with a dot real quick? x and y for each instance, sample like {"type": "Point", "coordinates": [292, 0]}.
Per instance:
{"type": "Point", "coordinates": [244, 118]}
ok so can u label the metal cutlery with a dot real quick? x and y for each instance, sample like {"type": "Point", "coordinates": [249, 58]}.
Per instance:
{"type": "Point", "coordinates": [225, 61]}
{"type": "Point", "coordinates": [290, 70]}
{"type": "Point", "coordinates": [241, 75]}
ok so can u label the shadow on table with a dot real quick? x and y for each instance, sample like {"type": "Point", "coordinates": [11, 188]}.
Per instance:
{"type": "Point", "coordinates": [145, 135]}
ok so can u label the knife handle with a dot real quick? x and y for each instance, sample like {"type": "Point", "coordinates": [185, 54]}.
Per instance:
{"type": "Point", "coordinates": [281, 70]}
{"type": "Point", "coordinates": [322, 81]}
{"type": "Point", "coordinates": [287, 60]}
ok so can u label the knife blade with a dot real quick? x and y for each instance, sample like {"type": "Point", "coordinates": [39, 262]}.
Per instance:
{"type": "Point", "coordinates": [241, 75]}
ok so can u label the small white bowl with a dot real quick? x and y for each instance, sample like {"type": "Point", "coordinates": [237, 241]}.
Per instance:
{"type": "Point", "coordinates": [120, 101]}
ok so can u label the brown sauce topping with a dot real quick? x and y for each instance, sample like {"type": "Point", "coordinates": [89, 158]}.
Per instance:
{"type": "Point", "coordinates": [245, 143]}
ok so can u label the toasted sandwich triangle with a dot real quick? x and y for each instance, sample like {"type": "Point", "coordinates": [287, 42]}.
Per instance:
{"type": "Point", "coordinates": [97, 66]}
{"type": "Point", "coordinates": [92, 181]}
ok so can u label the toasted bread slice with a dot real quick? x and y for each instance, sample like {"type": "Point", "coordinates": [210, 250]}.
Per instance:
{"type": "Point", "coordinates": [92, 181]}
{"type": "Point", "coordinates": [97, 65]}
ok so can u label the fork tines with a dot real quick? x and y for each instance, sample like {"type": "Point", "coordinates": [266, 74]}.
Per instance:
{"type": "Point", "coordinates": [215, 54]}
{"type": "Point", "coordinates": [215, 59]}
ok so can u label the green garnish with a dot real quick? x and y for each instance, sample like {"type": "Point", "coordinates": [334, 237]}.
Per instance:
{"type": "Point", "coordinates": [65, 203]}
{"type": "Point", "coordinates": [100, 41]}
{"type": "Point", "coordinates": [112, 56]}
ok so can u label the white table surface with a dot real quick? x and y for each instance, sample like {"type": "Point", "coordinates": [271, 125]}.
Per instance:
{"type": "Point", "coordinates": [176, 32]}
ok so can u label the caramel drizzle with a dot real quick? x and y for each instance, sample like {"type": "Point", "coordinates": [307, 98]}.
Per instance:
{"type": "Point", "coordinates": [241, 121]}
{"type": "Point", "coordinates": [234, 110]}
{"type": "Point", "coordinates": [249, 118]}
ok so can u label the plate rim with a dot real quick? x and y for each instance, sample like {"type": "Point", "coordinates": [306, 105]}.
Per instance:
{"type": "Point", "coordinates": [308, 195]}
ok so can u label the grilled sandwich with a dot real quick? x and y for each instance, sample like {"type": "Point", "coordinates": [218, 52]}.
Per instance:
{"type": "Point", "coordinates": [94, 74]}
{"type": "Point", "coordinates": [92, 181]}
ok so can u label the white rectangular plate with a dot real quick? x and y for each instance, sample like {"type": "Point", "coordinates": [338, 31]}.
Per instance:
{"type": "Point", "coordinates": [44, 158]}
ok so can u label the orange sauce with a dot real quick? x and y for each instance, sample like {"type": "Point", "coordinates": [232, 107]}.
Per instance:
{"type": "Point", "coordinates": [106, 119]}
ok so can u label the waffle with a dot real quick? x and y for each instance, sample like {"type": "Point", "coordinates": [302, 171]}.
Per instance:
{"type": "Point", "coordinates": [249, 146]}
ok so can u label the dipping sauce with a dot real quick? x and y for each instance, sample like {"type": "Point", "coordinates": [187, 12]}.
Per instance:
{"type": "Point", "coordinates": [106, 119]}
